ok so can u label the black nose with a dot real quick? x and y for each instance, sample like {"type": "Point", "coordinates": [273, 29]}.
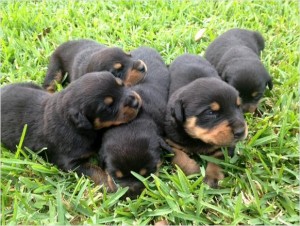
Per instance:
{"type": "Point", "coordinates": [239, 133]}
{"type": "Point", "coordinates": [140, 66]}
{"type": "Point", "coordinates": [132, 101]}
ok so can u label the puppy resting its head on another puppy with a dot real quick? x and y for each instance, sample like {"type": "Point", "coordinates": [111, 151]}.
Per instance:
{"type": "Point", "coordinates": [66, 122]}
{"type": "Point", "coordinates": [137, 146]}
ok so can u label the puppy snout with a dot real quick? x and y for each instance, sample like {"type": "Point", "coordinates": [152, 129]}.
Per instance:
{"type": "Point", "coordinates": [249, 107]}
{"type": "Point", "coordinates": [135, 189]}
{"type": "Point", "coordinates": [141, 66]}
{"type": "Point", "coordinates": [239, 133]}
{"type": "Point", "coordinates": [133, 101]}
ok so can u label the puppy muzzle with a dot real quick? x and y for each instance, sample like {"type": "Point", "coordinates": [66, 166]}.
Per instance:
{"type": "Point", "coordinates": [137, 73]}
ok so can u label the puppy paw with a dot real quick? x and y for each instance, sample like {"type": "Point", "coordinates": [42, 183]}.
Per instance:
{"type": "Point", "coordinates": [185, 163]}
{"type": "Point", "coordinates": [213, 174]}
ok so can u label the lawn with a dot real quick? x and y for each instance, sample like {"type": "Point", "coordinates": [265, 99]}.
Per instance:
{"type": "Point", "coordinates": [262, 179]}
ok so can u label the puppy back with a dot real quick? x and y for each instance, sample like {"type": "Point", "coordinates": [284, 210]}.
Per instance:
{"type": "Point", "coordinates": [187, 68]}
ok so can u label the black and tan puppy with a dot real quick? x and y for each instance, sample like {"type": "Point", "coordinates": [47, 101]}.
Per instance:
{"type": "Point", "coordinates": [202, 117]}
{"type": "Point", "coordinates": [236, 56]}
{"type": "Point", "coordinates": [187, 68]}
{"type": "Point", "coordinates": [137, 146]}
{"type": "Point", "coordinates": [67, 122]}
{"type": "Point", "coordinates": [83, 56]}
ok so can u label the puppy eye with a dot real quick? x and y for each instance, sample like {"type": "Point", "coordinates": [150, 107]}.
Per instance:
{"type": "Point", "coordinates": [210, 113]}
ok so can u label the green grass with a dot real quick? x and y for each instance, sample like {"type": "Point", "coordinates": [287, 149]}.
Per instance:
{"type": "Point", "coordinates": [262, 179]}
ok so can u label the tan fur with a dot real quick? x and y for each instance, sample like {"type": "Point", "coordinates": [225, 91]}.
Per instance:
{"type": "Point", "coordinates": [119, 81]}
{"type": "Point", "coordinates": [125, 115]}
{"type": "Point", "coordinates": [185, 163]}
{"type": "Point", "coordinates": [220, 135]}
{"type": "Point", "coordinates": [57, 79]}
{"type": "Point", "coordinates": [108, 100]}
{"type": "Point", "coordinates": [117, 66]}
{"type": "Point", "coordinates": [254, 94]}
{"type": "Point", "coordinates": [101, 177]}
{"type": "Point", "coordinates": [161, 223]}
{"type": "Point", "coordinates": [238, 101]}
{"type": "Point", "coordinates": [143, 172]}
{"type": "Point", "coordinates": [134, 76]}
{"type": "Point", "coordinates": [215, 106]}
{"type": "Point", "coordinates": [119, 174]}
{"type": "Point", "coordinates": [213, 173]}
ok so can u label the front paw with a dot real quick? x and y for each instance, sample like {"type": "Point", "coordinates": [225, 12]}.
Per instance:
{"type": "Point", "coordinates": [185, 163]}
{"type": "Point", "coordinates": [213, 174]}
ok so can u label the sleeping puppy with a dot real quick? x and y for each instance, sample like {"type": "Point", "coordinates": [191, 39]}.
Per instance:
{"type": "Point", "coordinates": [83, 56]}
{"type": "Point", "coordinates": [202, 117]}
{"type": "Point", "coordinates": [187, 68]}
{"type": "Point", "coordinates": [137, 146]}
{"type": "Point", "coordinates": [67, 122]}
{"type": "Point", "coordinates": [236, 56]}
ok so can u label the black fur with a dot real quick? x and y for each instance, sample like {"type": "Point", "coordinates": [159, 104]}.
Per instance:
{"type": "Point", "coordinates": [193, 100]}
{"type": "Point", "coordinates": [83, 56]}
{"type": "Point", "coordinates": [138, 145]}
{"type": "Point", "coordinates": [187, 68]}
{"type": "Point", "coordinates": [236, 56]}
{"type": "Point", "coordinates": [64, 122]}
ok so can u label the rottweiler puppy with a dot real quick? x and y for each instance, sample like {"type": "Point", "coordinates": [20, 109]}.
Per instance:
{"type": "Point", "coordinates": [236, 56]}
{"type": "Point", "coordinates": [83, 56]}
{"type": "Point", "coordinates": [202, 117]}
{"type": "Point", "coordinates": [67, 122]}
{"type": "Point", "coordinates": [137, 146]}
{"type": "Point", "coordinates": [187, 68]}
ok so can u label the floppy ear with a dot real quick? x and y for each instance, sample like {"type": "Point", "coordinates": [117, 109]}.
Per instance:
{"type": "Point", "coordinates": [270, 84]}
{"type": "Point", "coordinates": [163, 144]}
{"type": "Point", "coordinates": [79, 120]}
{"type": "Point", "coordinates": [177, 111]}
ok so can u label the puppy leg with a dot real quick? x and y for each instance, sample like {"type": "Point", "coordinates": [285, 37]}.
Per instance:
{"type": "Point", "coordinates": [213, 172]}
{"type": "Point", "coordinates": [54, 74]}
{"type": "Point", "coordinates": [174, 145]}
{"type": "Point", "coordinates": [187, 165]}
{"type": "Point", "coordinates": [98, 175]}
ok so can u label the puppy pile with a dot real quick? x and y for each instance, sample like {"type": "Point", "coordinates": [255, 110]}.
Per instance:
{"type": "Point", "coordinates": [126, 109]}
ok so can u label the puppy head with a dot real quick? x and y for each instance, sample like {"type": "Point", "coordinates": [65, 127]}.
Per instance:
{"type": "Point", "coordinates": [98, 100]}
{"type": "Point", "coordinates": [250, 78]}
{"type": "Point", "coordinates": [131, 147]}
{"type": "Point", "coordinates": [120, 64]}
{"type": "Point", "coordinates": [209, 110]}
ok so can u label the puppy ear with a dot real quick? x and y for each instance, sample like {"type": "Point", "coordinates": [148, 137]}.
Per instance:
{"type": "Point", "coordinates": [177, 111]}
{"type": "Point", "coordinates": [163, 144]}
{"type": "Point", "coordinates": [270, 84]}
{"type": "Point", "coordinates": [79, 120]}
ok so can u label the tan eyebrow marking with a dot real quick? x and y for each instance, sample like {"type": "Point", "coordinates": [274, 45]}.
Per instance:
{"type": "Point", "coordinates": [108, 100]}
{"type": "Point", "coordinates": [215, 106]}
{"type": "Point", "coordinates": [238, 101]}
{"type": "Point", "coordinates": [143, 172]}
{"type": "Point", "coordinates": [119, 174]}
{"type": "Point", "coordinates": [117, 66]}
